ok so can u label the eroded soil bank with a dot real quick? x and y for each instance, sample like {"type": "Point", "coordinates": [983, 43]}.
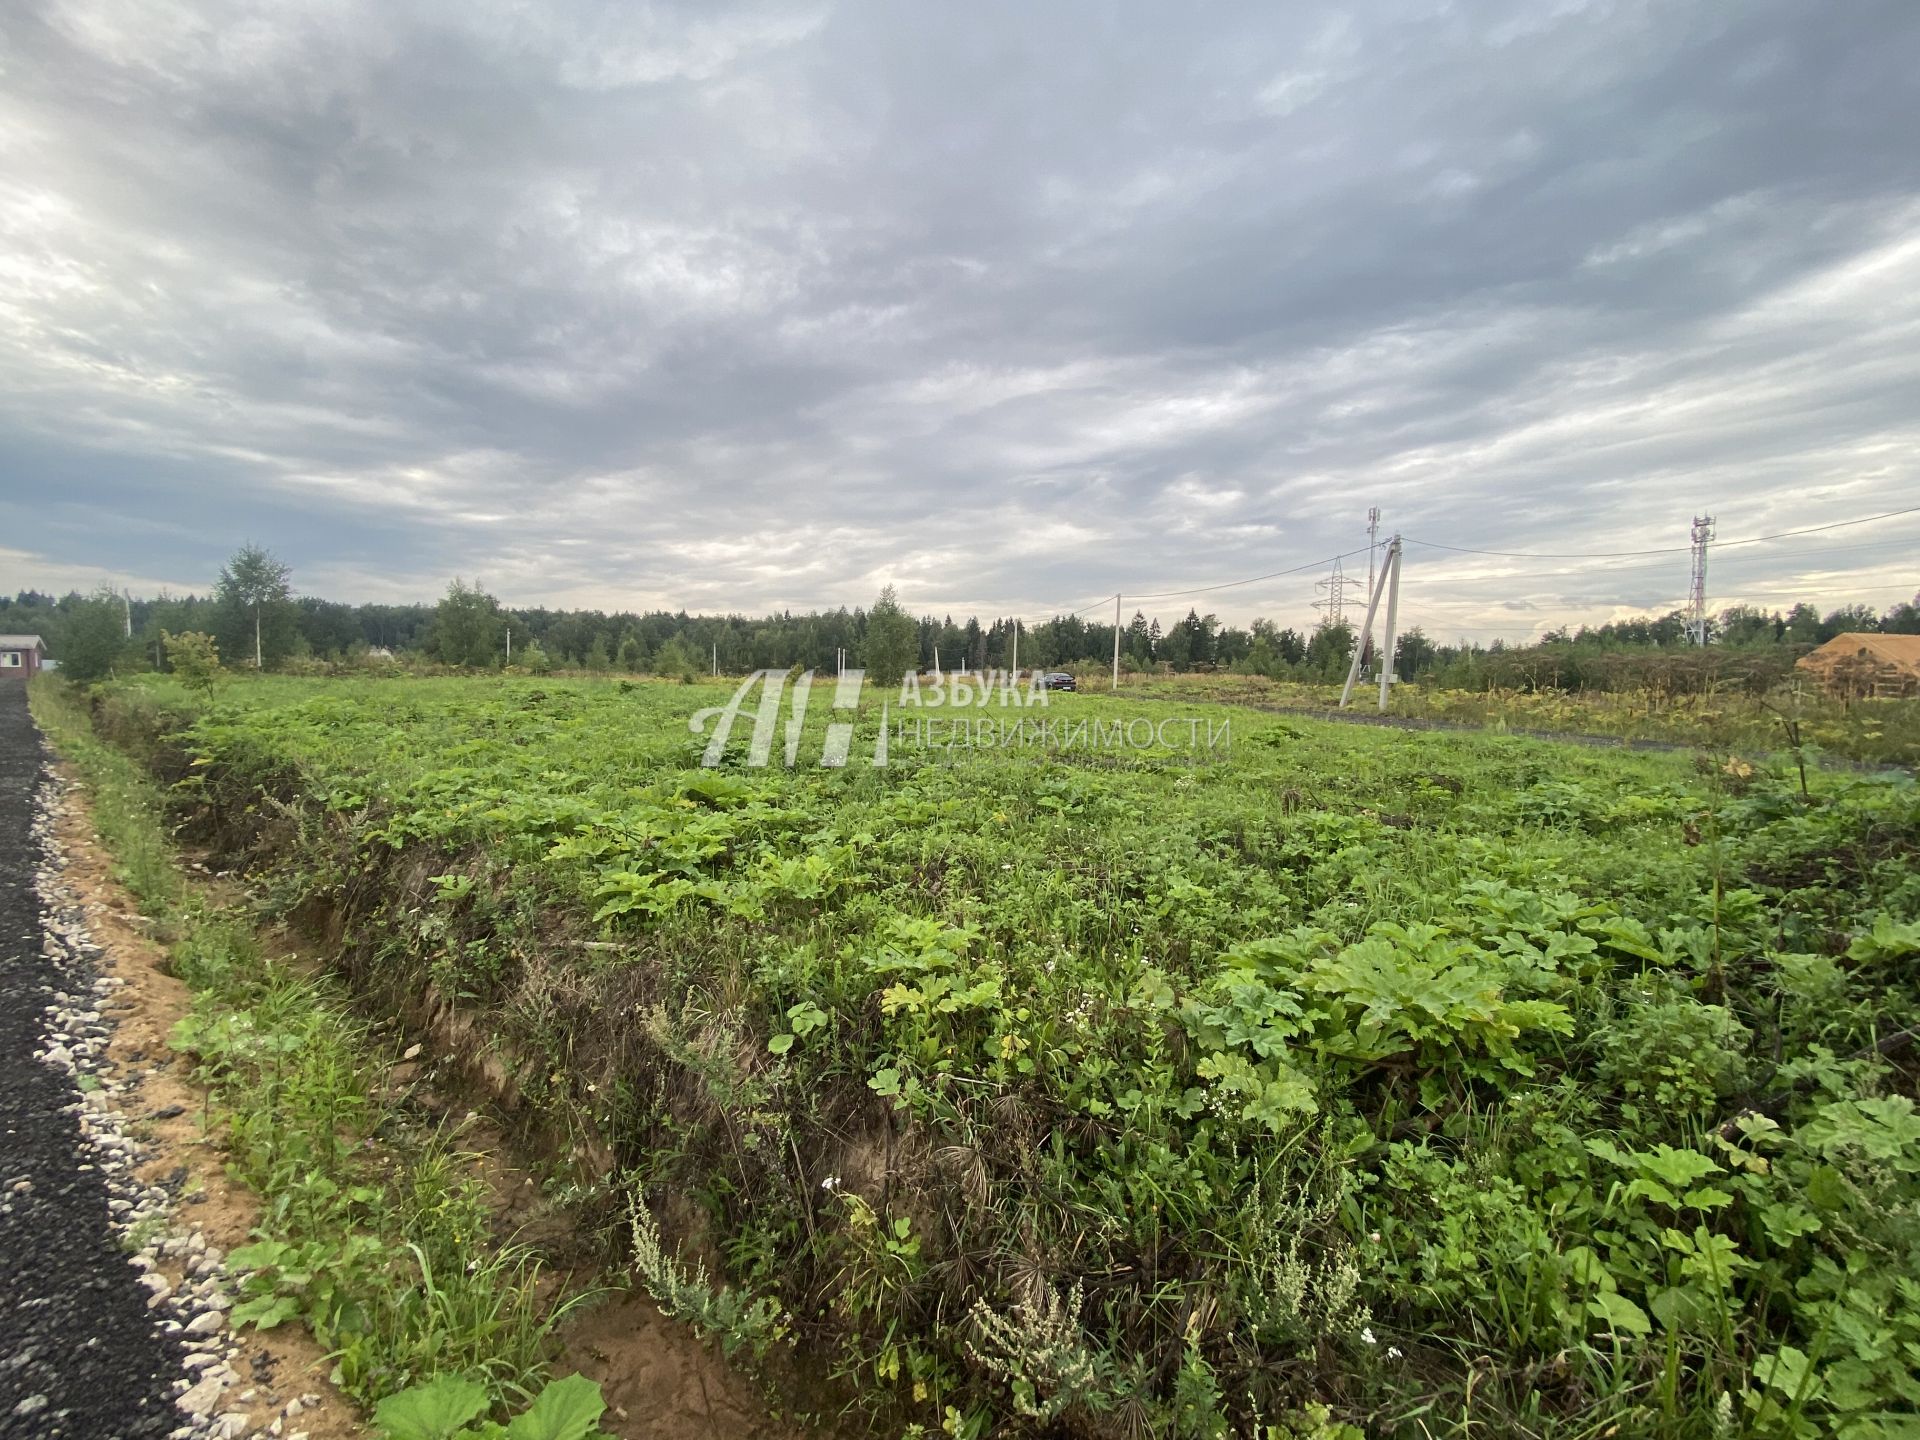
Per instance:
{"type": "Point", "coordinates": [161, 1255]}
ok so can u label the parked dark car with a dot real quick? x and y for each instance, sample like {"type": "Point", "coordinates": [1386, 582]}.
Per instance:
{"type": "Point", "coordinates": [1058, 680]}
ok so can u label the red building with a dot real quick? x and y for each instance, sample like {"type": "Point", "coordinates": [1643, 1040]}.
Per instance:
{"type": "Point", "coordinates": [21, 656]}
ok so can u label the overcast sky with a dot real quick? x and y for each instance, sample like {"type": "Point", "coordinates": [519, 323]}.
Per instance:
{"type": "Point", "coordinates": [1012, 305]}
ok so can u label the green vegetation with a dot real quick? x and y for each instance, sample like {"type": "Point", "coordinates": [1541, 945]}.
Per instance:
{"type": "Point", "coordinates": [382, 1246]}
{"type": "Point", "coordinates": [468, 628]}
{"type": "Point", "coordinates": [1432, 1084]}
{"type": "Point", "coordinates": [253, 613]}
{"type": "Point", "coordinates": [254, 586]}
{"type": "Point", "coordinates": [1790, 721]}
{"type": "Point", "coordinates": [452, 1408]}
{"type": "Point", "coordinates": [890, 649]}
{"type": "Point", "coordinates": [91, 636]}
{"type": "Point", "coordinates": [195, 659]}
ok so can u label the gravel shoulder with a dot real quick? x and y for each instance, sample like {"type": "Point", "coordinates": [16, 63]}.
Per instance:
{"type": "Point", "coordinates": [115, 1216]}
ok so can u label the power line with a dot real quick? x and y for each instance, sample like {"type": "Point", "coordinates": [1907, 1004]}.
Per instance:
{"type": "Point", "coordinates": [1661, 550]}
{"type": "Point", "coordinates": [1210, 589]}
{"type": "Point", "coordinates": [1055, 613]}
{"type": "Point", "coordinates": [1596, 555]}
{"type": "Point", "coordinates": [1201, 589]}
{"type": "Point", "coordinates": [1737, 562]}
{"type": "Point", "coordinates": [1254, 580]}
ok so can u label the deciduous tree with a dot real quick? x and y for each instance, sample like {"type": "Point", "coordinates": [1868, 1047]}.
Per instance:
{"type": "Point", "coordinates": [467, 627]}
{"type": "Point", "coordinates": [94, 638]}
{"type": "Point", "coordinates": [195, 658]}
{"type": "Point", "coordinates": [256, 584]}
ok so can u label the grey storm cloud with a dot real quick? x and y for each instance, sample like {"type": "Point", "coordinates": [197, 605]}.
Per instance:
{"type": "Point", "coordinates": [737, 307]}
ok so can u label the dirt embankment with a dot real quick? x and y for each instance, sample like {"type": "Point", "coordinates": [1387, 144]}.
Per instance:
{"type": "Point", "coordinates": [660, 1381]}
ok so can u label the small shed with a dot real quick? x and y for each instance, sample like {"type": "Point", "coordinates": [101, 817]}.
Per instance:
{"type": "Point", "coordinates": [1862, 666]}
{"type": "Point", "coordinates": [21, 656]}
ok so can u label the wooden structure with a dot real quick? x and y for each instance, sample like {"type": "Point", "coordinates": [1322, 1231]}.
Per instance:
{"type": "Point", "coordinates": [20, 656]}
{"type": "Point", "coordinates": [1861, 666]}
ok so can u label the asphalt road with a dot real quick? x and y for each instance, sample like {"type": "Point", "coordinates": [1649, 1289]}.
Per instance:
{"type": "Point", "coordinates": [81, 1354]}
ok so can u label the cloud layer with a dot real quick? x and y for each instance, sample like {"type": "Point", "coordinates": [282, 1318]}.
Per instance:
{"type": "Point", "coordinates": [737, 307]}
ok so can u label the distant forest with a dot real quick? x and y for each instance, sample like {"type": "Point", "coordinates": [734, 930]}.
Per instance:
{"type": "Point", "coordinates": [468, 628]}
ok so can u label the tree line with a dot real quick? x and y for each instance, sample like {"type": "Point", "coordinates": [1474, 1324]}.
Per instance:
{"type": "Point", "coordinates": [254, 619]}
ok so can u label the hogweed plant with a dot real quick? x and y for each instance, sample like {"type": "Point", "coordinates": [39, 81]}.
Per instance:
{"type": "Point", "coordinates": [1470, 1083]}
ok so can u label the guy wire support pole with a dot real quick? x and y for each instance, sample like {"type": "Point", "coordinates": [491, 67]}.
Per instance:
{"type": "Point", "coordinates": [1366, 628]}
{"type": "Point", "coordinates": [1116, 643]}
{"type": "Point", "coordinates": [1392, 577]}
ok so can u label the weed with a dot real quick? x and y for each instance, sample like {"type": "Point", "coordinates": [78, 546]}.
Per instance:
{"type": "Point", "coordinates": [1566, 1097]}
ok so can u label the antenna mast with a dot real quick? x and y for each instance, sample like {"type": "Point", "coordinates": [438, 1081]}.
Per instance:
{"type": "Point", "coordinates": [1697, 592]}
{"type": "Point", "coordinates": [1373, 542]}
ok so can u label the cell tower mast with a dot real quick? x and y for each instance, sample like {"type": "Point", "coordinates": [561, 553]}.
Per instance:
{"type": "Point", "coordinates": [1373, 542]}
{"type": "Point", "coordinates": [1697, 592]}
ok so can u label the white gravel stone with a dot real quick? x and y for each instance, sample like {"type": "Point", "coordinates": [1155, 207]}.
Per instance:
{"type": "Point", "coordinates": [79, 1024]}
{"type": "Point", "coordinates": [201, 1398]}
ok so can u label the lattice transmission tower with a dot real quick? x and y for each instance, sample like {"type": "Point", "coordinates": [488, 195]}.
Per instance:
{"type": "Point", "coordinates": [1333, 608]}
{"type": "Point", "coordinates": [1697, 591]}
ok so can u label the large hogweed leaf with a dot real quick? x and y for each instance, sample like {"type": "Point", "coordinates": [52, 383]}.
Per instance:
{"type": "Point", "coordinates": [1402, 990]}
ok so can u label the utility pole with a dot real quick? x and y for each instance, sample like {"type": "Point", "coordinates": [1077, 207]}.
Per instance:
{"type": "Point", "coordinates": [1014, 664]}
{"type": "Point", "coordinates": [716, 659]}
{"type": "Point", "coordinates": [1392, 577]}
{"type": "Point", "coordinates": [509, 642]}
{"type": "Point", "coordinates": [1697, 591]}
{"type": "Point", "coordinates": [126, 598]}
{"type": "Point", "coordinates": [1116, 642]}
{"type": "Point", "coordinates": [1389, 580]}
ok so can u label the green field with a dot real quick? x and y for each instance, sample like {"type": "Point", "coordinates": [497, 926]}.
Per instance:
{"type": "Point", "coordinates": [1884, 732]}
{"type": "Point", "coordinates": [1429, 1084]}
